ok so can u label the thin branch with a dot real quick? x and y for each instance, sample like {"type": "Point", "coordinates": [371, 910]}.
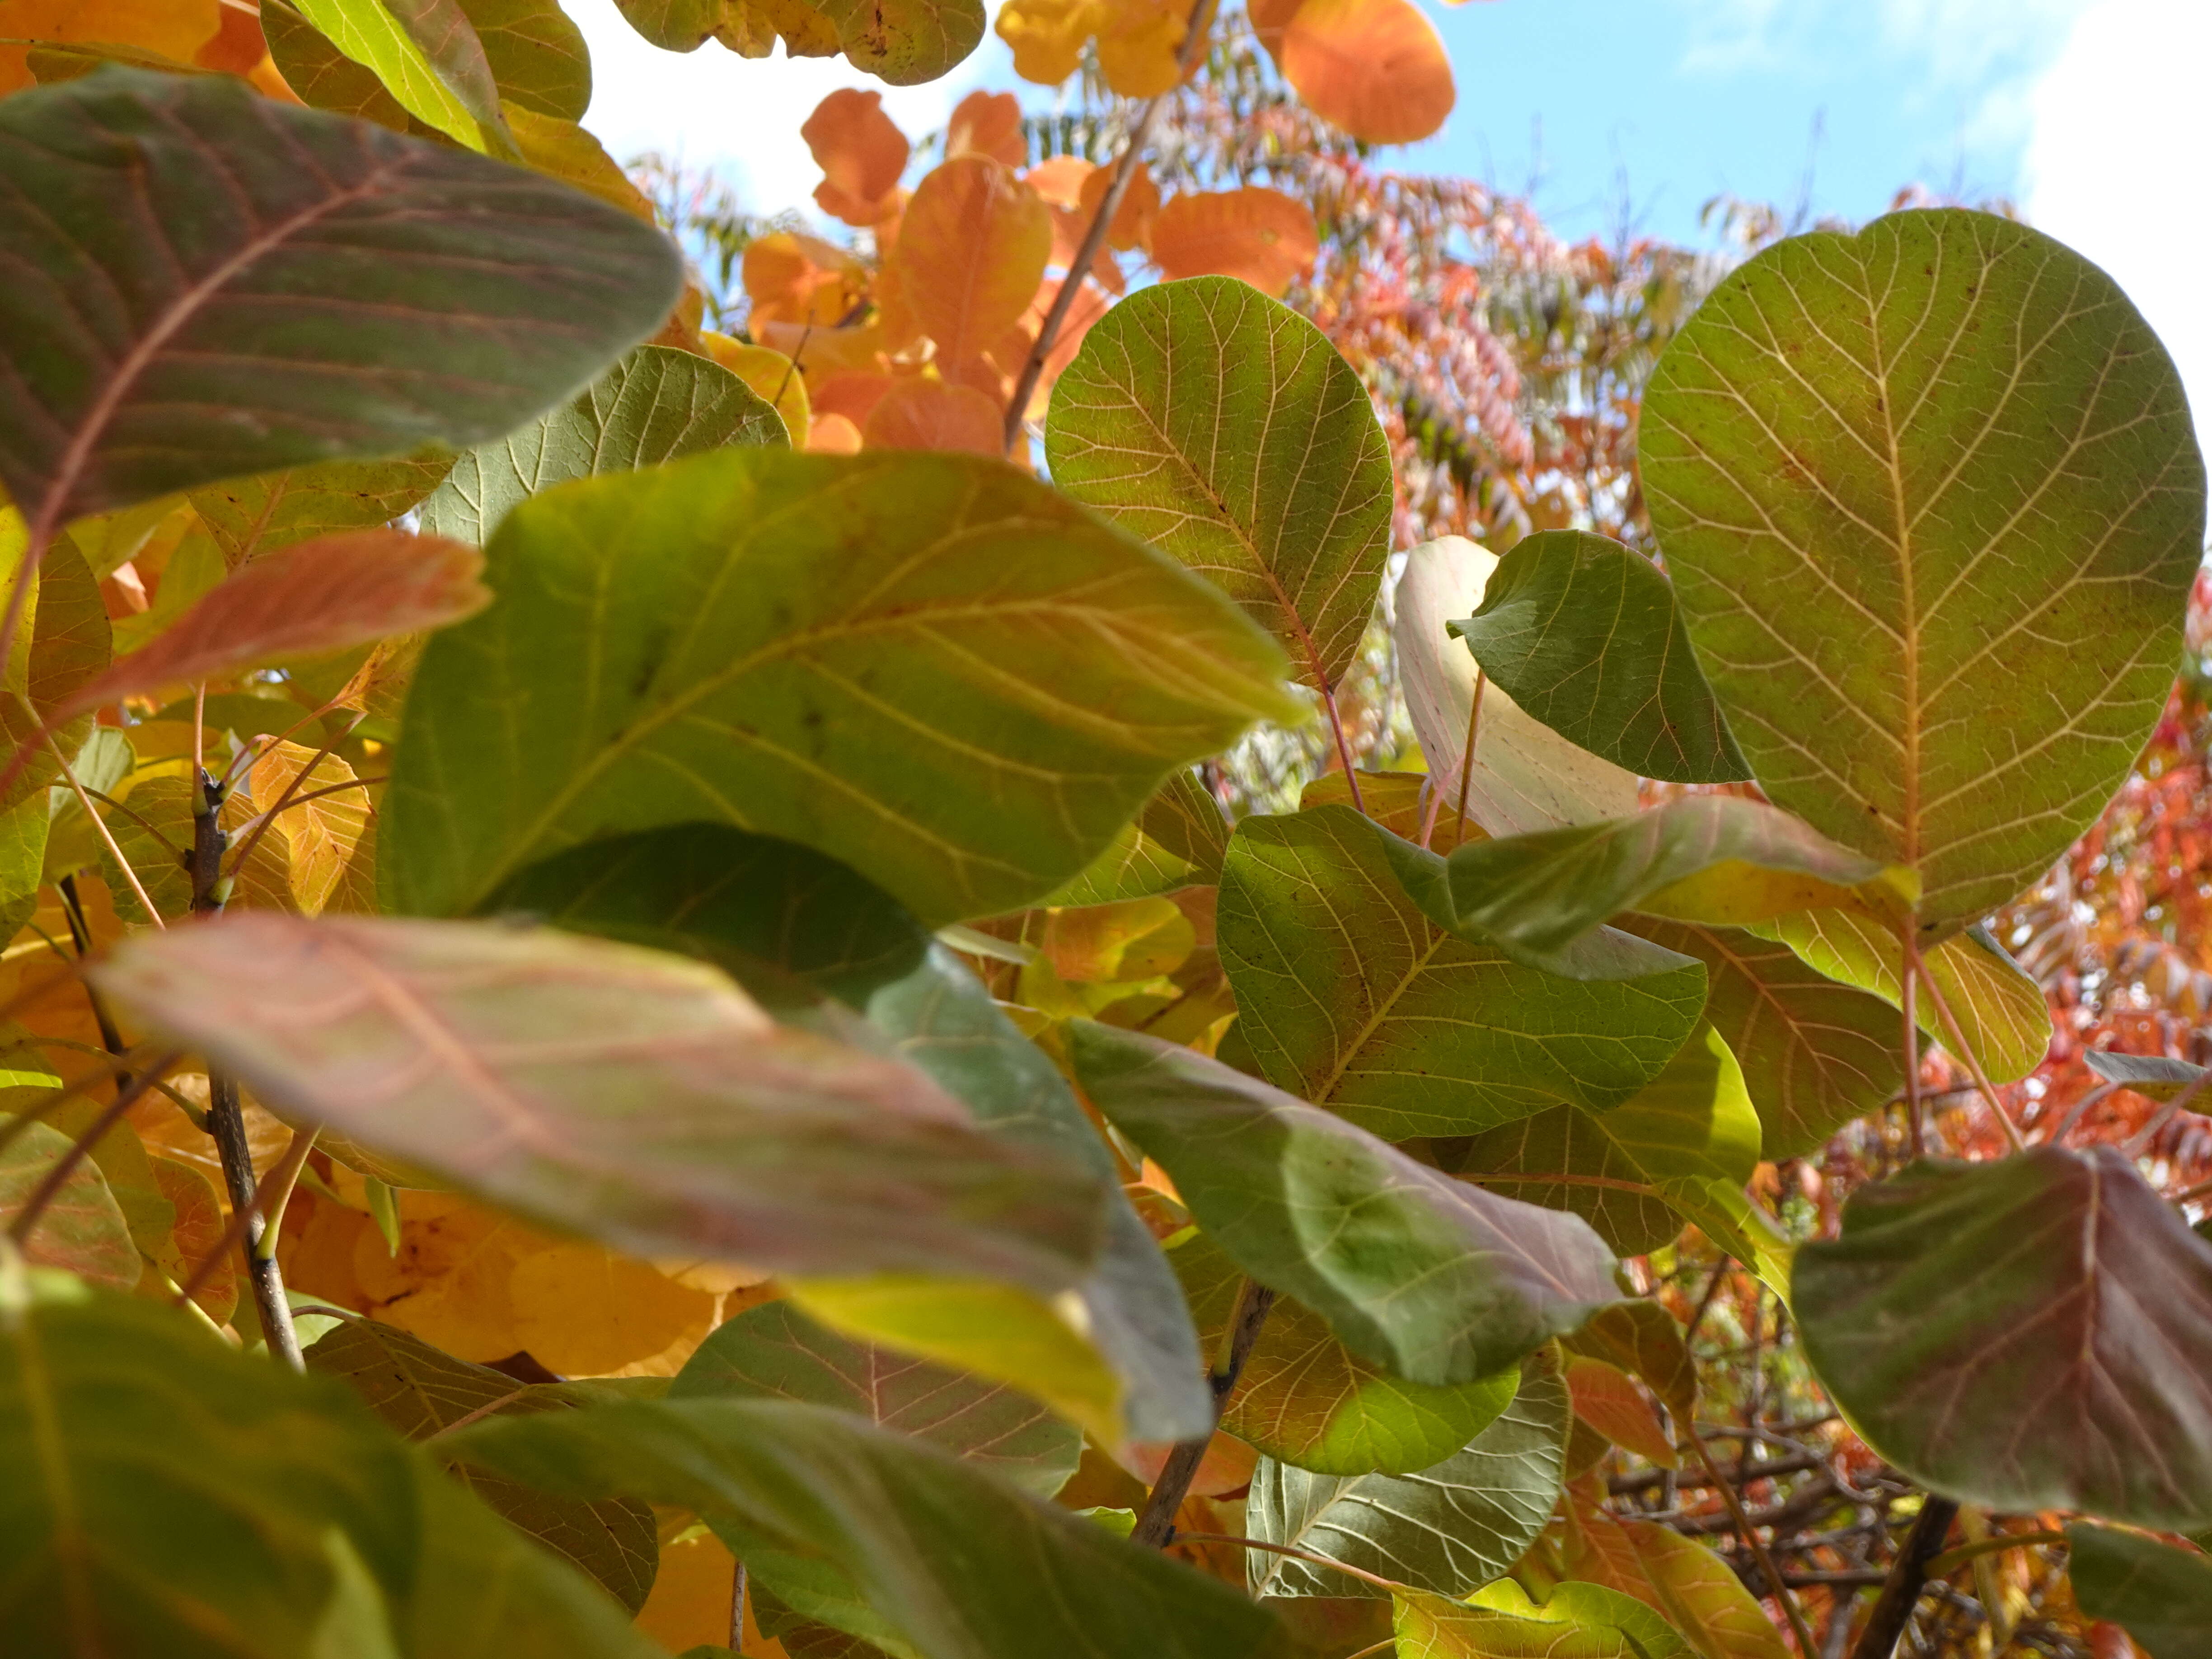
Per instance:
{"type": "Point", "coordinates": [1943, 1566]}
{"type": "Point", "coordinates": [81, 936]}
{"type": "Point", "coordinates": [100, 824]}
{"type": "Point", "coordinates": [276, 1188]}
{"type": "Point", "coordinates": [1466, 754]}
{"type": "Point", "coordinates": [2078, 1111]}
{"type": "Point", "coordinates": [1078, 263]}
{"type": "Point", "coordinates": [1749, 1534]}
{"type": "Point", "coordinates": [1901, 1589]}
{"type": "Point", "coordinates": [66, 1164]}
{"type": "Point", "coordinates": [1965, 1051]}
{"type": "Point", "coordinates": [136, 817]}
{"type": "Point", "coordinates": [2140, 1142]}
{"type": "Point", "coordinates": [1156, 1524]}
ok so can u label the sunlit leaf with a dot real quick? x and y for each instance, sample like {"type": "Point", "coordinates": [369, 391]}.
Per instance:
{"type": "Point", "coordinates": [1255, 235]}
{"type": "Point", "coordinates": [317, 596]}
{"type": "Point", "coordinates": [249, 517]}
{"type": "Point", "coordinates": [1899, 476]}
{"type": "Point", "coordinates": [636, 1097]}
{"type": "Point", "coordinates": [1576, 1621]}
{"type": "Point", "coordinates": [924, 413]}
{"type": "Point", "coordinates": [1448, 1529]}
{"type": "Point", "coordinates": [654, 405]}
{"type": "Point", "coordinates": [322, 832]}
{"type": "Point", "coordinates": [1607, 1400]}
{"type": "Point", "coordinates": [80, 1229]}
{"type": "Point", "coordinates": [970, 254]}
{"type": "Point", "coordinates": [1584, 636]}
{"type": "Point", "coordinates": [1696, 1590]}
{"type": "Point", "coordinates": [1815, 1054]}
{"type": "Point", "coordinates": [791, 924]}
{"type": "Point", "coordinates": [1176, 840]}
{"type": "Point", "coordinates": [1306, 1400]}
{"type": "Point", "coordinates": [900, 1522]}
{"type": "Point", "coordinates": [1525, 777]}
{"type": "Point", "coordinates": [2031, 1333]}
{"type": "Point", "coordinates": [1999, 1010]}
{"type": "Point", "coordinates": [323, 78]}
{"type": "Point", "coordinates": [383, 308]}
{"type": "Point", "coordinates": [1225, 429]}
{"type": "Point", "coordinates": [926, 665]}
{"type": "Point", "coordinates": [989, 124]}
{"type": "Point", "coordinates": [158, 1482]}
{"type": "Point", "coordinates": [172, 29]}
{"type": "Point", "coordinates": [861, 152]}
{"type": "Point", "coordinates": [1352, 998]}
{"type": "Point", "coordinates": [2161, 1596]}
{"type": "Point", "coordinates": [429, 56]}
{"type": "Point", "coordinates": [536, 56]}
{"type": "Point", "coordinates": [1436, 1280]}
{"type": "Point", "coordinates": [1376, 68]}
{"type": "Point", "coordinates": [417, 1391]}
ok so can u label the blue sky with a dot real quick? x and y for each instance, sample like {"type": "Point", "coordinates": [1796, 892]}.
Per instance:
{"type": "Point", "coordinates": [2090, 113]}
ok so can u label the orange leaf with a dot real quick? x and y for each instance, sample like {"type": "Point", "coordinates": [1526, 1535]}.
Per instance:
{"type": "Point", "coordinates": [1376, 68]}
{"type": "Point", "coordinates": [199, 1228]}
{"type": "Point", "coordinates": [1696, 1589]}
{"type": "Point", "coordinates": [824, 351]}
{"type": "Point", "coordinates": [833, 434]}
{"type": "Point", "coordinates": [922, 414]}
{"type": "Point", "coordinates": [1607, 1400]}
{"type": "Point", "coordinates": [989, 124]}
{"type": "Point", "coordinates": [1132, 220]}
{"type": "Point", "coordinates": [971, 253]}
{"type": "Point", "coordinates": [175, 29]}
{"type": "Point", "coordinates": [1257, 234]}
{"type": "Point", "coordinates": [861, 151]}
{"type": "Point", "coordinates": [853, 396]}
{"type": "Point", "coordinates": [768, 373]}
{"type": "Point", "coordinates": [316, 596]}
{"type": "Point", "coordinates": [236, 47]}
{"type": "Point", "coordinates": [792, 278]}
{"type": "Point", "coordinates": [1060, 179]}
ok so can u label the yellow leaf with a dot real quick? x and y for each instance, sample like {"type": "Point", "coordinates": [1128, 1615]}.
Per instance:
{"type": "Point", "coordinates": [1047, 35]}
{"type": "Point", "coordinates": [582, 1310]}
{"type": "Point", "coordinates": [321, 834]}
{"type": "Point", "coordinates": [561, 150]}
{"type": "Point", "coordinates": [771, 374]}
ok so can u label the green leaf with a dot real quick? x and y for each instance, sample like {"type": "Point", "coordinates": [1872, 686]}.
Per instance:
{"type": "Point", "coordinates": [1702, 858]}
{"type": "Point", "coordinates": [427, 54]}
{"type": "Point", "coordinates": [1578, 1621]}
{"type": "Point", "coordinates": [655, 405]}
{"type": "Point", "coordinates": [416, 1390]}
{"type": "Point", "coordinates": [904, 42]}
{"type": "Point", "coordinates": [306, 289]}
{"type": "Point", "coordinates": [536, 54]}
{"type": "Point", "coordinates": [1899, 477]}
{"type": "Point", "coordinates": [954, 1560]}
{"type": "Point", "coordinates": [2034, 1333]}
{"type": "Point", "coordinates": [1352, 998]}
{"type": "Point", "coordinates": [1224, 428]}
{"type": "Point", "coordinates": [926, 666]}
{"type": "Point", "coordinates": [1306, 1400]}
{"type": "Point", "coordinates": [774, 1352]}
{"type": "Point", "coordinates": [1583, 635]}
{"type": "Point", "coordinates": [2154, 1077]}
{"type": "Point", "coordinates": [790, 924]}
{"type": "Point", "coordinates": [2161, 1596]}
{"type": "Point", "coordinates": [81, 1228]}
{"type": "Point", "coordinates": [631, 1096]}
{"type": "Point", "coordinates": [323, 77]}
{"type": "Point", "coordinates": [1525, 777]}
{"type": "Point", "coordinates": [1448, 1529]}
{"type": "Point", "coordinates": [1999, 1010]}
{"type": "Point", "coordinates": [1815, 1054]}
{"type": "Point", "coordinates": [1439, 1282]}
{"type": "Point", "coordinates": [155, 1486]}
{"type": "Point", "coordinates": [1176, 840]}
{"type": "Point", "coordinates": [249, 517]}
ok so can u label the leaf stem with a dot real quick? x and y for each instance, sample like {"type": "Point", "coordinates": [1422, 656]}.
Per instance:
{"type": "Point", "coordinates": [1749, 1534]}
{"type": "Point", "coordinates": [1467, 755]}
{"type": "Point", "coordinates": [1965, 1051]}
{"type": "Point", "coordinates": [100, 823]}
{"type": "Point", "coordinates": [81, 936]}
{"type": "Point", "coordinates": [1156, 1525]}
{"type": "Point", "coordinates": [1343, 748]}
{"type": "Point", "coordinates": [1078, 263]}
{"type": "Point", "coordinates": [1900, 1591]}
{"type": "Point", "coordinates": [1294, 1552]}
{"type": "Point", "coordinates": [1943, 1566]}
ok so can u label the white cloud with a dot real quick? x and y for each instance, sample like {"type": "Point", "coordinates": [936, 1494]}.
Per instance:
{"type": "Point", "coordinates": [2116, 160]}
{"type": "Point", "coordinates": [711, 108]}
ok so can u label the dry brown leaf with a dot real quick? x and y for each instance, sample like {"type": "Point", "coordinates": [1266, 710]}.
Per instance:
{"type": "Point", "coordinates": [861, 153]}
{"type": "Point", "coordinates": [316, 596]}
{"type": "Point", "coordinates": [1261, 235]}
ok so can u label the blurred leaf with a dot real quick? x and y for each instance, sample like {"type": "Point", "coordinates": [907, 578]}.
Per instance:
{"type": "Point", "coordinates": [904, 42]}
{"type": "Point", "coordinates": [411, 254]}
{"type": "Point", "coordinates": [2161, 1596]}
{"type": "Point", "coordinates": [1175, 842]}
{"type": "Point", "coordinates": [2032, 1333]}
{"type": "Point", "coordinates": [1897, 478]}
{"type": "Point", "coordinates": [1525, 777]}
{"type": "Point", "coordinates": [900, 1523]}
{"type": "Point", "coordinates": [853, 653]}
{"type": "Point", "coordinates": [1353, 998]}
{"type": "Point", "coordinates": [1447, 1529]}
{"type": "Point", "coordinates": [1641, 1338]}
{"type": "Point", "coordinates": [312, 597]}
{"type": "Point", "coordinates": [198, 1233]}
{"type": "Point", "coordinates": [2154, 1077]}
{"type": "Point", "coordinates": [1815, 1054]}
{"type": "Point", "coordinates": [862, 155]}
{"type": "Point", "coordinates": [1577, 1621]}
{"type": "Point", "coordinates": [158, 1483]}
{"type": "Point", "coordinates": [636, 1097]}
{"type": "Point", "coordinates": [1696, 1590]}
{"type": "Point", "coordinates": [1253, 234]}
{"type": "Point", "coordinates": [2000, 1009]}
{"type": "Point", "coordinates": [1376, 68]}
{"type": "Point", "coordinates": [1582, 634]}
{"type": "Point", "coordinates": [429, 56]}
{"type": "Point", "coordinates": [1225, 429]}
{"type": "Point", "coordinates": [249, 517]}
{"type": "Point", "coordinates": [171, 29]}
{"type": "Point", "coordinates": [1306, 1400]}
{"type": "Point", "coordinates": [417, 1391]}
{"type": "Point", "coordinates": [1607, 1400]}
{"type": "Point", "coordinates": [654, 405]}
{"type": "Point", "coordinates": [1437, 1280]}
{"type": "Point", "coordinates": [774, 1352]}
{"type": "Point", "coordinates": [971, 253]}
{"type": "Point", "coordinates": [80, 1229]}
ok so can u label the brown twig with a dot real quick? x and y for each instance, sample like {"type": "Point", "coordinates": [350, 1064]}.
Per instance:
{"type": "Point", "coordinates": [274, 1190]}
{"type": "Point", "coordinates": [1900, 1588]}
{"type": "Point", "coordinates": [1466, 754]}
{"type": "Point", "coordinates": [1078, 263]}
{"type": "Point", "coordinates": [1156, 1524]}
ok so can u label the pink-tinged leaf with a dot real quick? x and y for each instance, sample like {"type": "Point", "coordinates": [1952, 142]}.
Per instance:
{"type": "Point", "coordinates": [638, 1097]}
{"type": "Point", "coordinates": [81, 1228]}
{"type": "Point", "coordinates": [1696, 1589]}
{"type": "Point", "coordinates": [313, 597]}
{"type": "Point", "coordinates": [1607, 1400]}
